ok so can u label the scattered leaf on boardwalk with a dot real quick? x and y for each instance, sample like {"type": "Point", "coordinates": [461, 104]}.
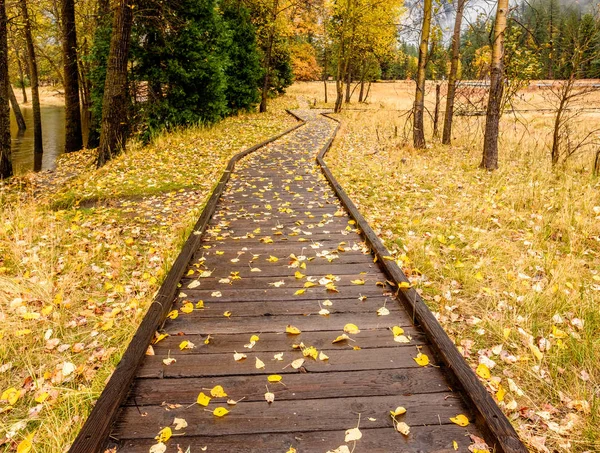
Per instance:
{"type": "Point", "coordinates": [220, 412]}
{"type": "Point", "coordinates": [203, 399]}
{"type": "Point", "coordinates": [164, 434]}
{"type": "Point", "coordinates": [297, 363]}
{"type": "Point", "coordinates": [237, 356]}
{"type": "Point", "coordinates": [341, 337]}
{"type": "Point", "coordinates": [179, 423]}
{"type": "Point", "coordinates": [218, 392]}
{"type": "Point", "coordinates": [422, 359]}
{"type": "Point", "coordinates": [460, 420]}
{"type": "Point", "coordinates": [398, 411]}
{"type": "Point", "coordinates": [351, 329]}
{"type": "Point", "coordinates": [352, 435]}
{"type": "Point", "coordinates": [292, 330]}
{"type": "Point", "coordinates": [260, 365]}
{"type": "Point", "coordinates": [403, 428]}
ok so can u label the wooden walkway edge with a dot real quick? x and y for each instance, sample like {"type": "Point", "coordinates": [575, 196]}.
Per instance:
{"type": "Point", "coordinates": [372, 376]}
{"type": "Point", "coordinates": [493, 423]}
{"type": "Point", "coordinates": [96, 429]}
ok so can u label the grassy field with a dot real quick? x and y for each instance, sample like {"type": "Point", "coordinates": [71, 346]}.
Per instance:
{"type": "Point", "coordinates": [509, 261]}
{"type": "Point", "coordinates": [82, 251]}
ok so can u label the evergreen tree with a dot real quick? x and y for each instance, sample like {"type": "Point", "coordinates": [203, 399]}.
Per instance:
{"type": "Point", "coordinates": [243, 71]}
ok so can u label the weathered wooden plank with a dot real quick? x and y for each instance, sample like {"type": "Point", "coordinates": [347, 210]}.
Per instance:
{"type": "Point", "coordinates": [253, 324]}
{"type": "Point", "coordinates": [282, 270]}
{"type": "Point", "coordinates": [422, 439]}
{"type": "Point", "coordinates": [393, 383]}
{"type": "Point", "coordinates": [216, 308]}
{"type": "Point", "coordinates": [196, 365]}
{"type": "Point", "coordinates": [278, 342]}
{"type": "Point", "coordinates": [326, 414]}
{"type": "Point", "coordinates": [289, 281]}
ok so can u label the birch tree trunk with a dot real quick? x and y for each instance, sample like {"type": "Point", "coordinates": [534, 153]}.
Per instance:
{"type": "Point", "coordinates": [452, 77]}
{"type": "Point", "coordinates": [419, 106]}
{"type": "Point", "coordinates": [492, 121]}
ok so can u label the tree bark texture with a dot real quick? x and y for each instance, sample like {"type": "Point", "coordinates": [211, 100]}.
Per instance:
{"type": "Point", "coordinates": [33, 78]}
{"type": "Point", "coordinates": [5, 159]}
{"type": "Point", "coordinates": [419, 107]}
{"type": "Point", "coordinates": [492, 121]}
{"type": "Point", "coordinates": [436, 114]}
{"type": "Point", "coordinates": [16, 109]}
{"type": "Point", "coordinates": [452, 77]}
{"type": "Point", "coordinates": [21, 75]}
{"type": "Point", "coordinates": [73, 135]}
{"type": "Point", "coordinates": [268, 57]}
{"type": "Point", "coordinates": [114, 103]}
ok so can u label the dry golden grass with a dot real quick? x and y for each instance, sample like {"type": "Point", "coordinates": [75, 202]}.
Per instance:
{"type": "Point", "coordinates": [75, 282]}
{"type": "Point", "coordinates": [509, 261]}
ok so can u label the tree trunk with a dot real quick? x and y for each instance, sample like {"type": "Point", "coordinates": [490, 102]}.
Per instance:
{"type": "Point", "coordinates": [21, 75]}
{"type": "Point", "coordinates": [452, 77]}
{"type": "Point", "coordinates": [419, 107]}
{"type": "Point", "coordinates": [325, 76]}
{"type": "Point", "coordinates": [33, 78]}
{"type": "Point", "coordinates": [268, 57]}
{"type": "Point", "coordinates": [436, 114]}
{"type": "Point", "coordinates": [5, 159]}
{"type": "Point", "coordinates": [114, 103]}
{"type": "Point", "coordinates": [16, 110]}
{"type": "Point", "coordinates": [348, 84]}
{"type": "Point", "coordinates": [368, 91]}
{"type": "Point", "coordinates": [492, 121]}
{"type": "Point", "coordinates": [73, 136]}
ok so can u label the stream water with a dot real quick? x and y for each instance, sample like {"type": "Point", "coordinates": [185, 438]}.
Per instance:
{"type": "Point", "coordinates": [53, 135]}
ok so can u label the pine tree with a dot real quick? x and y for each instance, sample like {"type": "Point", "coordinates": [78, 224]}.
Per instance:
{"type": "Point", "coordinates": [244, 71]}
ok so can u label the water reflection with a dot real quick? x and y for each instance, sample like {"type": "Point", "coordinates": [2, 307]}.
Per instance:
{"type": "Point", "coordinates": [53, 138]}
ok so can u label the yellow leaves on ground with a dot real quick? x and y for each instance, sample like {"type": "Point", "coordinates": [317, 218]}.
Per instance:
{"type": "Point", "coordinates": [203, 399]}
{"type": "Point", "coordinates": [398, 411]}
{"type": "Point", "coordinates": [159, 337]}
{"type": "Point", "coordinates": [404, 285]}
{"type": "Point", "coordinates": [11, 395]}
{"type": "Point", "coordinates": [218, 392]}
{"type": "Point", "coordinates": [164, 434]}
{"type": "Point", "coordinates": [299, 292]}
{"type": "Point", "coordinates": [26, 444]}
{"type": "Point", "coordinates": [352, 434]}
{"type": "Point", "coordinates": [383, 311]}
{"type": "Point", "coordinates": [357, 282]}
{"type": "Point", "coordinates": [220, 412]}
{"type": "Point", "coordinates": [299, 275]}
{"type": "Point", "coordinates": [185, 344]}
{"type": "Point", "coordinates": [274, 378]}
{"type": "Point", "coordinates": [421, 359]}
{"type": "Point", "coordinates": [351, 329]}
{"type": "Point", "coordinates": [238, 356]}
{"type": "Point", "coordinates": [187, 308]}
{"type": "Point", "coordinates": [460, 420]}
{"type": "Point", "coordinates": [272, 259]}
{"type": "Point", "coordinates": [403, 428]}
{"type": "Point", "coordinates": [227, 314]}
{"type": "Point", "coordinates": [341, 337]}
{"type": "Point", "coordinates": [292, 330]}
{"type": "Point", "coordinates": [483, 371]}
{"type": "Point", "coordinates": [297, 363]}
{"type": "Point", "coordinates": [260, 365]}
{"type": "Point", "coordinates": [179, 423]}
{"type": "Point", "coordinates": [173, 314]}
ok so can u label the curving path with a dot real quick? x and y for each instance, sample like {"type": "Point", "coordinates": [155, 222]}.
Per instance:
{"type": "Point", "coordinates": [281, 251]}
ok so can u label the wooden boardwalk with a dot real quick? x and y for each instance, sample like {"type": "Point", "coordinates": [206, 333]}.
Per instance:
{"type": "Point", "coordinates": [281, 250]}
